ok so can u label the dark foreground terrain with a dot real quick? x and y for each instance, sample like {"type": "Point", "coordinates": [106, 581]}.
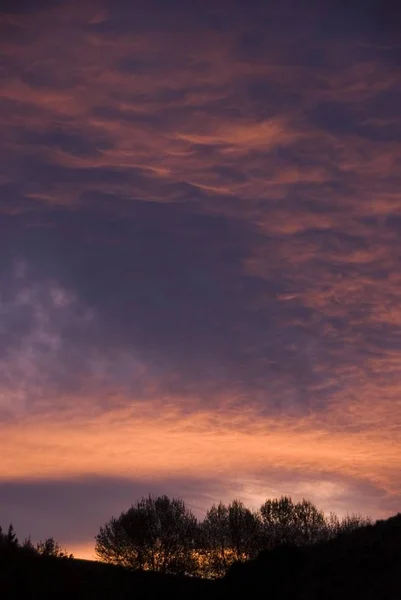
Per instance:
{"type": "Point", "coordinates": [365, 564]}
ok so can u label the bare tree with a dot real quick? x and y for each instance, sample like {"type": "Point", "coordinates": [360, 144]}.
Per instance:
{"type": "Point", "coordinates": [287, 522]}
{"type": "Point", "coordinates": [155, 533]}
{"type": "Point", "coordinates": [337, 526]}
{"type": "Point", "coordinates": [309, 523]}
{"type": "Point", "coordinates": [278, 522]}
{"type": "Point", "coordinates": [229, 533]}
{"type": "Point", "coordinates": [160, 534]}
{"type": "Point", "coordinates": [215, 542]}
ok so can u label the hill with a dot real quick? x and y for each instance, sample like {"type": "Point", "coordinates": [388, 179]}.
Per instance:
{"type": "Point", "coordinates": [363, 564]}
{"type": "Point", "coordinates": [37, 577]}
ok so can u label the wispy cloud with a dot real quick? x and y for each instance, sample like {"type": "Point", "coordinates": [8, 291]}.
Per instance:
{"type": "Point", "coordinates": [199, 247]}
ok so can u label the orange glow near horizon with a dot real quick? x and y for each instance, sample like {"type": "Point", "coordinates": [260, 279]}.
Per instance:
{"type": "Point", "coordinates": [135, 443]}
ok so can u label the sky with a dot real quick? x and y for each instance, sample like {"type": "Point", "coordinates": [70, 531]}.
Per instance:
{"type": "Point", "coordinates": [200, 280]}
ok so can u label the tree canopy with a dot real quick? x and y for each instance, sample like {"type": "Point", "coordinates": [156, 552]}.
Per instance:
{"type": "Point", "coordinates": [9, 543]}
{"type": "Point", "coordinates": [162, 534]}
{"type": "Point", "coordinates": [155, 533]}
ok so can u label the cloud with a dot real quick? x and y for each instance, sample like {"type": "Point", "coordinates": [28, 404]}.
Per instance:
{"type": "Point", "coordinates": [72, 510]}
{"type": "Point", "coordinates": [152, 440]}
{"type": "Point", "coordinates": [199, 246]}
{"type": "Point", "coordinates": [34, 349]}
{"type": "Point", "coordinates": [46, 508]}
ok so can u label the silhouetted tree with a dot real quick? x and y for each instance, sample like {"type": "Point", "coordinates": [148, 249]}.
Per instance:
{"type": "Point", "coordinates": [310, 523]}
{"type": "Point", "coordinates": [277, 518]}
{"type": "Point", "coordinates": [8, 541]}
{"type": "Point", "coordinates": [228, 533]}
{"type": "Point", "coordinates": [160, 534]}
{"type": "Point", "coordinates": [11, 538]}
{"type": "Point", "coordinates": [28, 547]}
{"type": "Point", "coordinates": [286, 522]}
{"type": "Point", "coordinates": [155, 533]}
{"type": "Point", "coordinates": [114, 546]}
{"type": "Point", "coordinates": [216, 541]}
{"type": "Point", "coordinates": [337, 526]}
{"type": "Point", "coordinates": [244, 527]}
{"type": "Point", "coordinates": [50, 547]}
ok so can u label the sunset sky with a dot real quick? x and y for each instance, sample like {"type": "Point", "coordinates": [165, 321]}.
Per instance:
{"type": "Point", "coordinates": [200, 276]}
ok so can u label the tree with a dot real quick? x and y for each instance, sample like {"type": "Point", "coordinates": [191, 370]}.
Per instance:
{"type": "Point", "coordinates": [215, 541]}
{"type": "Point", "coordinates": [310, 523]}
{"type": "Point", "coordinates": [28, 547]}
{"type": "Point", "coordinates": [229, 533]}
{"type": "Point", "coordinates": [11, 539]}
{"type": "Point", "coordinates": [155, 533]}
{"type": "Point", "coordinates": [244, 526]}
{"type": "Point", "coordinates": [286, 522]}
{"type": "Point", "coordinates": [114, 546]}
{"type": "Point", "coordinates": [337, 526]}
{"type": "Point", "coordinates": [277, 517]}
{"type": "Point", "coordinates": [51, 548]}
{"type": "Point", "coordinates": [160, 534]}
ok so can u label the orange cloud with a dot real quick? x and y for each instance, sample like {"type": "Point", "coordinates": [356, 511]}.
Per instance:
{"type": "Point", "coordinates": [134, 442]}
{"type": "Point", "coordinates": [301, 155]}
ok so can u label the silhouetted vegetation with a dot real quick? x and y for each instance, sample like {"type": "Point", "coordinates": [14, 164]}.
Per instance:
{"type": "Point", "coordinates": [161, 534]}
{"type": "Point", "coordinates": [154, 534]}
{"type": "Point", "coordinates": [362, 561]}
{"type": "Point", "coordinates": [9, 544]}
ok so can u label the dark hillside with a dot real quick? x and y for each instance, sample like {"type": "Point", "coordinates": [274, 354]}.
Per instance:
{"type": "Point", "coordinates": [364, 564]}
{"type": "Point", "coordinates": [36, 577]}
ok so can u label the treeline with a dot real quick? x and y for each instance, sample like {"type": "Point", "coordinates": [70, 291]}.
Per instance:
{"type": "Point", "coordinates": [162, 534]}
{"type": "Point", "coordinates": [9, 543]}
